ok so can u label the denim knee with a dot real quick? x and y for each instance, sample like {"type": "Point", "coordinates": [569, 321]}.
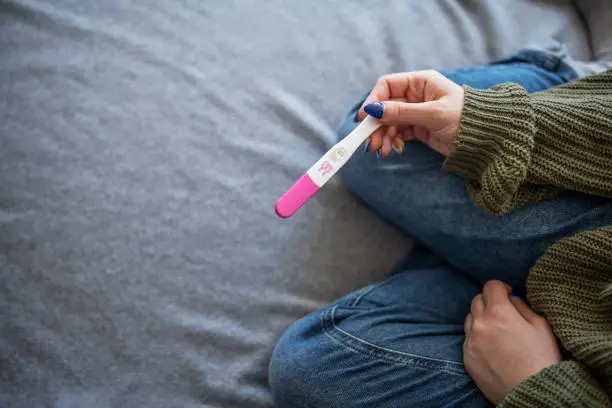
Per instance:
{"type": "Point", "coordinates": [295, 376]}
{"type": "Point", "coordinates": [326, 360]}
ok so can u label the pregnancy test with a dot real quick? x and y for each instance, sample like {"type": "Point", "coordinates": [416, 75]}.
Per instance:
{"type": "Point", "coordinates": [324, 169]}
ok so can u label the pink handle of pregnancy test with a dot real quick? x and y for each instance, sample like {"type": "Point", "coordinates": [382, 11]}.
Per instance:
{"type": "Point", "coordinates": [297, 195]}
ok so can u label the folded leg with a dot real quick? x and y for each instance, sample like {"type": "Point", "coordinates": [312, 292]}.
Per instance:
{"type": "Point", "coordinates": [410, 190]}
{"type": "Point", "coordinates": [394, 344]}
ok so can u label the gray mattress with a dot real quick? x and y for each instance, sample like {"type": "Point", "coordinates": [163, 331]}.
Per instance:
{"type": "Point", "coordinates": [142, 148]}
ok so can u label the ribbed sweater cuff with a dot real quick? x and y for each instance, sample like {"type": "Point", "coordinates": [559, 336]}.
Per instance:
{"type": "Point", "coordinates": [494, 144]}
{"type": "Point", "coordinates": [494, 123]}
{"type": "Point", "coordinates": [567, 384]}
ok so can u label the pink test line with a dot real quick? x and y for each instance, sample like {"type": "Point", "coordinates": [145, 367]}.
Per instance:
{"type": "Point", "coordinates": [297, 195]}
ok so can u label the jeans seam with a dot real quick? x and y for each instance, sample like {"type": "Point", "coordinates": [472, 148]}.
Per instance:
{"type": "Point", "coordinates": [357, 299]}
{"type": "Point", "coordinates": [361, 346]}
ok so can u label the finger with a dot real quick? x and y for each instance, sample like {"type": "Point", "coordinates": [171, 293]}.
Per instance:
{"type": "Point", "coordinates": [387, 145]}
{"type": "Point", "coordinates": [405, 86]}
{"type": "Point", "coordinates": [379, 93]}
{"type": "Point", "coordinates": [496, 292]}
{"type": "Point", "coordinates": [421, 134]}
{"type": "Point", "coordinates": [361, 115]}
{"type": "Point", "coordinates": [385, 149]}
{"type": "Point", "coordinates": [477, 308]}
{"type": "Point", "coordinates": [376, 139]}
{"type": "Point", "coordinates": [398, 144]}
{"type": "Point", "coordinates": [395, 113]}
{"type": "Point", "coordinates": [467, 325]}
{"type": "Point", "coordinates": [524, 309]}
{"type": "Point", "coordinates": [398, 85]}
{"type": "Point", "coordinates": [408, 133]}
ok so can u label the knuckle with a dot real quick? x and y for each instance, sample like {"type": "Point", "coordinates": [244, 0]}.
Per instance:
{"type": "Point", "coordinates": [432, 73]}
{"type": "Point", "coordinates": [477, 299]}
{"type": "Point", "coordinates": [540, 322]}
{"type": "Point", "coordinates": [384, 80]}
{"type": "Point", "coordinates": [394, 111]}
{"type": "Point", "coordinates": [403, 109]}
{"type": "Point", "coordinates": [380, 85]}
{"type": "Point", "coordinates": [497, 312]}
{"type": "Point", "coordinates": [479, 328]}
{"type": "Point", "coordinates": [468, 344]}
{"type": "Point", "coordinates": [492, 284]}
{"type": "Point", "coordinates": [467, 323]}
{"type": "Point", "coordinates": [470, 352]}
{"type": "Point", "coordinates": [488, 285]}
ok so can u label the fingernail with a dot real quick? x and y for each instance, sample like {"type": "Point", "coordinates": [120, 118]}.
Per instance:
{"type": "Point", "coordinates": [366, 146]}
{"type": "Point", "coordinates": [516, 295]}
{"type": "Point", "coordinates": [376, 109]}
{"type": "Point", "coordinates": [379, 154]}
{"type": "Point", "coordinates": [356, 118]}
{"type": "Point", "coordinates": [396, 146]}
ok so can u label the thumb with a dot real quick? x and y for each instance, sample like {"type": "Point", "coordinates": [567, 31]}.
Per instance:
{"type": "Point", "coordinates": [395, 113]}
{"type": "Point", "coordinates": [524, 309]}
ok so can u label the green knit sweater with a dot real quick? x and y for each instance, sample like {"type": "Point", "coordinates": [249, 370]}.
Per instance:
{"type": "Point", "coordinates": [515, 149]}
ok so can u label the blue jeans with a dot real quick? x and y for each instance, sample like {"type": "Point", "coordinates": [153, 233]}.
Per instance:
{"type": "Point", "coordinates": [398, 343]}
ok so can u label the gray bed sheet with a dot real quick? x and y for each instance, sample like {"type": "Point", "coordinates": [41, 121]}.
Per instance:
{"type": "Point", "coordinates": [142, 148]}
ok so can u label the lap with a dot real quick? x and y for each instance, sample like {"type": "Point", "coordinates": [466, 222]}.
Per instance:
{"type": "Point", "coordinates": [410, 191]}
{"type": "Point", "coordinates": [397, 343]}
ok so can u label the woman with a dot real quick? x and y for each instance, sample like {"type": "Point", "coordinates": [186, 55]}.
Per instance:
{"type": "Point", "coordinates": [444, 330]}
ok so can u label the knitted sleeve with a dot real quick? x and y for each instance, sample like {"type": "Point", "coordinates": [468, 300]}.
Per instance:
{"type": "Point", "coordinates": [571, 286]}
{"type": "Point", "coordinates": [565, 385]}
{"type": "Point", "coordinates": [516, 148]}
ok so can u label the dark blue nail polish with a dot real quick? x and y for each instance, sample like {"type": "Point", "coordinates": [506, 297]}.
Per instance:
{"type": "Point", "coordinates": [366, 146]}
{"type": "Point", "coordinates": [379, 154]}
{"type": "Point", "coordinates": [376, 109]}
{"type": "Point", "coordinates": [356, 118]}
{"type": "Point", "coordinates": [516, 295]}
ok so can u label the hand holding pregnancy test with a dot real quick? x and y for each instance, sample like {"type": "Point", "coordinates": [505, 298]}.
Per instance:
{"type": "Point", "coordinates": [423, 105]}
{"type": "Point", "coordinates": [324, 169]}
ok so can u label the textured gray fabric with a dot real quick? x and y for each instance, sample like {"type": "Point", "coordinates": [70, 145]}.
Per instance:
{"type": "Point", "coordinates": [598, 18]}
{"type": "Point", "coordinates": [142, 148]}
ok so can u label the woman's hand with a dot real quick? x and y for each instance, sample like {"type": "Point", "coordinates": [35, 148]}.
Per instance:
{"type": "Point", "coordinates": [506, 342]}
{"type": "Point", "coordinates": [422, 105]}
